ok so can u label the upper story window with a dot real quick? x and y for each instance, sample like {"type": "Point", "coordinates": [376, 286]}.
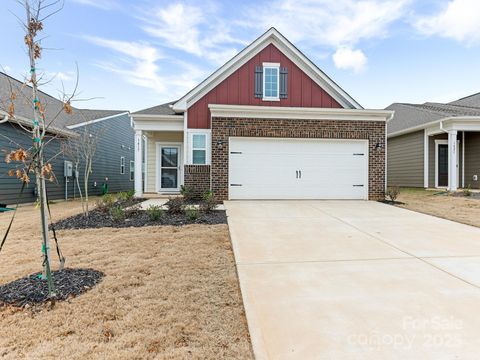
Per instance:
{"type": "Point", "coordinates": [271, 83]}
{"type": "Point", "coordinates": [199, 149]}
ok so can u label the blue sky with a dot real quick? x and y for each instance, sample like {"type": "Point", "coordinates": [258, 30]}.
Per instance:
{"type": "Point", "coordinates": [136, 54]}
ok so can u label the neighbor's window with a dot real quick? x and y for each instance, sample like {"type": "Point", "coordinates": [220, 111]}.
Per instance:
{"type": "Point", "coordinates": [271, 81]}
{"type": "Point", "coordinates": [132, 170]}
{"type": "Point", "coordinates": [122, 165]}
{"type": "Point", "coordinates": [199, 149]}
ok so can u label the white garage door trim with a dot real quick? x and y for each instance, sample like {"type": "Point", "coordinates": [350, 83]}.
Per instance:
{"type": "Point", "coordinates": [361, 195]}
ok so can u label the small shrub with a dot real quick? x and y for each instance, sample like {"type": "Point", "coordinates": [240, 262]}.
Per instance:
{"type": "Point", "coordinates": [392, 193]}
{"type": "Point", "coordinates": [122, 196]}
{"type": "Point", "coordinates": [467, 191]}
{"type": "Point", "coordinates": [192, 214]}
{"type": "Point", "coordinates": [175, 205]}
{"type": "Point", "coordinates": [130, 194]}
{"type": "Point", "coordinates": [106, 202]}
{"type": "Point", "coordinates": [187, 192]}
{"type": "Point", "coordinates": [209, 202]}
{"type": "Point", "coordinates": [155, 212]}
{"type": "Point", "coordinates": [118, 214]}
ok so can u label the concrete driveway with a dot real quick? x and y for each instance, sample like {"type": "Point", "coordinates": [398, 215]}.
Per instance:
{"type": "Point", "coordinates": [356, 280]}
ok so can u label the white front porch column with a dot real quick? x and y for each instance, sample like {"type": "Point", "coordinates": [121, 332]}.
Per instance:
{"type": "Point", "coordinates": [452, 160]}
{"type": "Point", "coordinates": [138, 163]}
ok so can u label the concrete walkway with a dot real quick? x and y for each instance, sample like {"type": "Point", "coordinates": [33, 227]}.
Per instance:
{"type": "Point", "coordinates": [356, 280]}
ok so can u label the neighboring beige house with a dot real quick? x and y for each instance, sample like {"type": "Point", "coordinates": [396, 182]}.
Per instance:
{"type": "Point", "coordinates": [435, 145]}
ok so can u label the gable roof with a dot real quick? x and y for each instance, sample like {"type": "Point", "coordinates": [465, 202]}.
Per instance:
{"type": "Point", "coordinates": [412, 116]}
{"type": "Point", "coordinates": [272, 36]}
{"type": "Point", "coordinates": [53, 106]}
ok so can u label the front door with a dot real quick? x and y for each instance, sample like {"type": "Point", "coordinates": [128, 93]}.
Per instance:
{"type": "Point", "coordinates": [169, 167]}
{"type": "Point", "coordinates": [442, 165]}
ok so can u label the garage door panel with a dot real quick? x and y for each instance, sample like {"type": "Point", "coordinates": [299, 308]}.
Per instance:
{"type": "Point", "coordinates": [262, 168]}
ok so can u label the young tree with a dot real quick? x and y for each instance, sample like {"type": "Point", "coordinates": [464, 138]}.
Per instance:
{"type": "Point", "coordinates": [32, 160]}
{"type": "Point", "coordinates": [82, 151]}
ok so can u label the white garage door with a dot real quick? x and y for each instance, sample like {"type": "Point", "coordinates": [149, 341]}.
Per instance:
{"type": "Point", "coordinates": [267, 168]}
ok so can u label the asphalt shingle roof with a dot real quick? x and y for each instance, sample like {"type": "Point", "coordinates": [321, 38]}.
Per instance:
{"type": "Point", "coordinates": [470, 101]}
{"type": "Point", "coordinates": [163, 109]}
{"type": "Point", "coordinates": [53, 106]}
{"type": "Point", "coordinates": [412, 115]}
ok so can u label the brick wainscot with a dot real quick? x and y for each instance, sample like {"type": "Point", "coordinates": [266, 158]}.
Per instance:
{"type": "Point", "coordinates": [373, 131]}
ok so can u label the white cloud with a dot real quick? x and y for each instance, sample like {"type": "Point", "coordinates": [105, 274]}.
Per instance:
{"type": "Point", "coordinates": [193, 29]}
{"type": "Point", "coordinates": [459, 20]}
{"type": "Point", "coordinates": [140, 66]}
{"type": "Point", "coordinates": [347, 58]}
{"type": "Point", "coordinates": [336, 24]}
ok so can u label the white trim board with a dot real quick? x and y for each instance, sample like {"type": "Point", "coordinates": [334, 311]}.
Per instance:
{"type": "Point", "coordinates": [89, 122]}
{"type": "Point", "coordinates": [283, 112]}
{"type": "Point", "coordinates": [272, 36]}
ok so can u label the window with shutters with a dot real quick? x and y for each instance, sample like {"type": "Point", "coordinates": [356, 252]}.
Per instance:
{"type": "Point", "coordinates": [271, 81]}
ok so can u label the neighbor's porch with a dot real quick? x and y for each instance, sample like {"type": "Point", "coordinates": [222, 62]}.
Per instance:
{"type": "Point", "coordinates": [452, 154]}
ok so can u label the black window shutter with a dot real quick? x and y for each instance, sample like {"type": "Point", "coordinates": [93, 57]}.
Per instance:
{"type": "Point", "coordinates": [258, 82]}
{"type": "Point", "coordinates": [283, 83]}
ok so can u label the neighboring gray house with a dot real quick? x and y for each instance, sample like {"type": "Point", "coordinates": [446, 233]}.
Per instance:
{"type": "Point", "coordinates": [113, 162]}
{"type": "Point", "coordinates": [435, 145]}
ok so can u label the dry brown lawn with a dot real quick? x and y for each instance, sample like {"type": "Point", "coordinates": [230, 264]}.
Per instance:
{"type": "Point", "coordinates": [168, 293]}
{"type": "Point", "coordinates": [461, 209]}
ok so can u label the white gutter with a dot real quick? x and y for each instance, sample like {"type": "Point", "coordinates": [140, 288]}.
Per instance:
{"type": "Point", "coordinates": [280, 112]}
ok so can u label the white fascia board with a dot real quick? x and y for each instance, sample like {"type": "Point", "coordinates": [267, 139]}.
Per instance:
{"type": "Point", "coordinates": [274, 37]}
{"type": "Point", "coordinates": [89, 122]}
{"type": "Point", "coordinates": [281, 112]}
{"type": "Point", "coordinates": [152, 117]}
{"type": "Point", "coordinates": [449, 123]}
{"type": "Point", "coordinates": [158, 122]}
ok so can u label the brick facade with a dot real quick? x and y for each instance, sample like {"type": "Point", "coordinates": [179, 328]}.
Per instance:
{"type": "Point", "coordinates": [197, 177]}
{"type": "Point", "coordinates": [223, 128]}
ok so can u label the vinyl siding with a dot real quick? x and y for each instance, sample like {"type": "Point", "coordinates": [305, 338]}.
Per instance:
{"type": "Point", "coordinates": [405, 160]}
{"type": "Point", "coordinates": [152, 139]}
{"type": "Point", "coordinates": [13, 137]}
{"type": "Point", "coordinates": [472, 159]}
{"type": "Point", "coordinates": [117, 140]}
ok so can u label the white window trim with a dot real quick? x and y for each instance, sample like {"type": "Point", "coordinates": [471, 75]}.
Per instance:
{"type": "Point", "coordinates": [208, 145]}
{"type": "Point", "coordinates": [132, 167]}
{"type": "Point", "coordinates": [275, 66]}
{"type": "Point", "coordinates": [444, 142]}
{"type": "Point", "coordinates": [122, 165]}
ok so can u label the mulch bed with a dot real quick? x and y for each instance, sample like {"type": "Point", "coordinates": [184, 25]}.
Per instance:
{"type": "Point", "coordinates": [473, 195]}
{"type": "Point", "coordinates": [32, 290]}
{"type": "Point", "coordinates": [137, 218]}
{"type": "Point", "coordinates": [389, 202]}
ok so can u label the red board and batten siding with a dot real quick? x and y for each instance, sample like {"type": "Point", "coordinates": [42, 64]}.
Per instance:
{"type": "Point", "coordinates": [238, 89]}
